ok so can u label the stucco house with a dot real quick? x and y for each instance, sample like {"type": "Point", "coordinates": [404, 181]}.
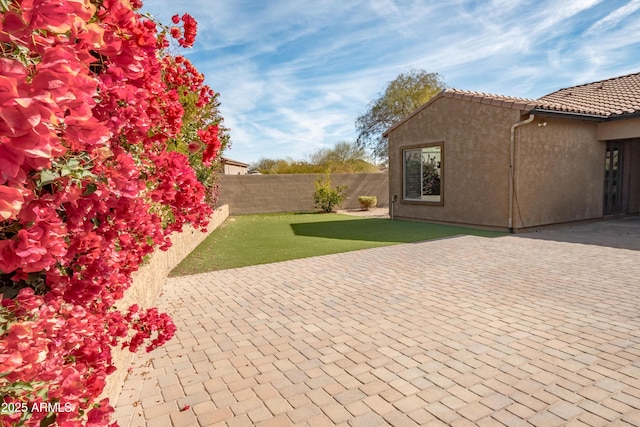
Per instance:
{"type": "Point", "coordinates": [234, 167]}
{"type": "Point", "coordinates": [510, 163]}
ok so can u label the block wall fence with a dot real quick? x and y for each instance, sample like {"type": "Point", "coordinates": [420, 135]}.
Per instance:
{"type": "Point", "coordinates": [147, 285]}
{"type": "Point", "coordinates": [249, 194]}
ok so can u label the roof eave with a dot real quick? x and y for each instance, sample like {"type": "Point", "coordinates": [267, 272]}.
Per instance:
{"type": "Point", "coordinates": [568, 114]}
{"type": "Point", "coordinates": [584, 116]}
{"type": "Point", "coordinates": [232, 162]}
{"type": "Point", "coordinates": [633, 115]}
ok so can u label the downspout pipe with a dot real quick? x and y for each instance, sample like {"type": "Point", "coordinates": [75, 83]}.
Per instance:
{"type": "Point", "coordinates": [512, 151]}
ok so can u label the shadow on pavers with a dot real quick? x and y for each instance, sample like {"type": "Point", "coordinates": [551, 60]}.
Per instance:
{"type": "Point", "coordinates": [621, 233]}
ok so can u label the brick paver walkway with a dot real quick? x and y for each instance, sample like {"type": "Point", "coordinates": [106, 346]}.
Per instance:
{"type": "Point", "coordinates": [463, 331]}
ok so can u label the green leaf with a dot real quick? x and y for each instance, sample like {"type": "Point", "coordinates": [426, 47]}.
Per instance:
{"type": "Point", "coordinates": [73, 163]}
{"type": "Point", "coordinates": [47, 176]}
{"type": "Point", "coordinates": [48, 420]}
{"type": "Point", "coordinates": [91, 188]}
{"type": "Point", "coordinates": [43, 392]}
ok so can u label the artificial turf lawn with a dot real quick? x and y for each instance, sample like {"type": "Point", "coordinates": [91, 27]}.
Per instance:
{"type": "Point", "coordinates": [259, 239]}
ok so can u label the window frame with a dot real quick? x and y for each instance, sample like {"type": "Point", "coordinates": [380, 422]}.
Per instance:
{"type": "Point", "coordinates": [403, 150]}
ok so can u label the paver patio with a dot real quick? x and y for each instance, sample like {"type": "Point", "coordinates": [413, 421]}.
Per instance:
{"type": "Point", "coordinates": [462, 331]}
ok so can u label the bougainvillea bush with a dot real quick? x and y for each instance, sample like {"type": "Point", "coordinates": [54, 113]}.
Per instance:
{"type": "Point", "coordinates": [108, 144]}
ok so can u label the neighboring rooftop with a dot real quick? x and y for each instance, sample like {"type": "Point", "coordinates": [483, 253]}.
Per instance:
{"type": "Point", "coordinates": [229, 161]}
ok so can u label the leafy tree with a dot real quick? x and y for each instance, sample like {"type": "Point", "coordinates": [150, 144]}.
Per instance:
{"type": "Point", "coordinates": [283, 166]}
{"type": "Point", "coordinates": [345, 157]}
{"type": "Point", "coordinates": [401, 97]}
{"type": "Point", "coordinates": [265, 165]}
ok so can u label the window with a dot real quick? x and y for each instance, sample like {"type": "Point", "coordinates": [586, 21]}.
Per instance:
{"type": "Point", "coordinates": [422, 169]}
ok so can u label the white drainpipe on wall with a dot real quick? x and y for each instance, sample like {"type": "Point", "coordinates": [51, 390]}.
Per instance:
{"type": "Point", "coordinates": [512, 150]}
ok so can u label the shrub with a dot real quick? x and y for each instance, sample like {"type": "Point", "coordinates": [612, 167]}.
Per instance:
{"type": "Point", "coordinates": [367, 202]}
{"type": "Point", "coordinates": [326, 198]}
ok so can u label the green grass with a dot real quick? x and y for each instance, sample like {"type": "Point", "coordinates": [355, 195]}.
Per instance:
{"type": "Point", "coordinates": [260, 239]}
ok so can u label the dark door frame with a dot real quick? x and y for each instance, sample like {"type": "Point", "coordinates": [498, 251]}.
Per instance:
{"type": "Point", "coordinates": [614, 178]}
{"type": "Point", "coordinates": [617, 176]}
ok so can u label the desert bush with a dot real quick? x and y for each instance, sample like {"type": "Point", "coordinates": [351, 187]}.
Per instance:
{"type": "Point", "coordinates": [326, 198]}
{"type": "Point", "coordinates": [367, 202]}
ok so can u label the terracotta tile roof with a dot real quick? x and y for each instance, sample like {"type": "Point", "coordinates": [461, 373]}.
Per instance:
{"type": "Point", "coordinates": [617, 96]}
{"type": "Point", "coordinates": [488, 98]}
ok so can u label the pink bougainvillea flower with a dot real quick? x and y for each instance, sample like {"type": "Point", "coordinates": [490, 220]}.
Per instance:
{"type": "Point", "coordinates": [54, 15]}
{"type": "Point", "coordinates": [190, 30]}
{"type": "Point", "coordinates": [11, 359]}
{"type": "Point", "coordinates": [210, 137]}
{"type": "Point", "coordinates": [9, 261]}
{"type": "Point", "coordinates": [10, 161]}
{"type": "Point", "coordinates": [86, 134]}
{"type": "Point", "coordinates": [90, 36]}
{"type": "Point", "coordinates": [11, 201]}
{"type": "Point", "coordinates": [13, 27]}
{"type": "Point", "coordinates": [8, 83]}
{"type": "Point", "coordinates": [89, 100]}
{"type": "Point", "coordinates": [19, 119]}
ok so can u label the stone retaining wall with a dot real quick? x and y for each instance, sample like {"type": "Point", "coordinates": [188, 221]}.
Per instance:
{"type": "Point", "coordinates": [147, 285]}
{"type": "Point", "coordinates": [247, 194]}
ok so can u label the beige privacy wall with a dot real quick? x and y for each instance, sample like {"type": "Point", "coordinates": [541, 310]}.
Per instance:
{"type": "Point", "coordinates": [246, 194]}
{"type": "Point", "coordinates": [147, 284]}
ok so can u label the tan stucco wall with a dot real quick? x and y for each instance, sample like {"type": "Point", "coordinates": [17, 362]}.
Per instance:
{"type": "Point", "coordinates": [559, 172]}
{"type": "Point", "coordinates": [147, 285]}
{"type": "Point", "coordinates": [619, 129]}
{"type": "Point", "coordinates": [246, 194]}
{"type": "Point", "coordinates": [558, 167]}
{"type": "Point", "coordinates": [476, 161]}
{"type": "Point", "coordinates": [235, 170]}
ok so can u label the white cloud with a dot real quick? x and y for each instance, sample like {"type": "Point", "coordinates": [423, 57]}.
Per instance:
{"type": "Point", "coordinates": [295, 74]}
{"type": "Point", "coordinates": [614, 18]}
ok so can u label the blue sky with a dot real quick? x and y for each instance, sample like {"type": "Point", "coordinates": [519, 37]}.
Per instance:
{"type": "Point", "coordinates": [294, 75]}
